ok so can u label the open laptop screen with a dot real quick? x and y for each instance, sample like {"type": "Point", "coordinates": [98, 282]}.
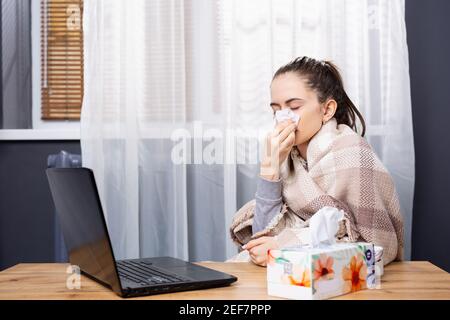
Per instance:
{"type": "Point", "coordinates": [82, 223]}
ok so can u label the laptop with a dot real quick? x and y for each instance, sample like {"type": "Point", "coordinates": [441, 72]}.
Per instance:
{"type": "Point", "coordinates": [89, 247]}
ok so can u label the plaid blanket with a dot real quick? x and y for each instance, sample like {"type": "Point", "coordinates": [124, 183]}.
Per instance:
{"type": "Point", "coordinates": [342, 171]}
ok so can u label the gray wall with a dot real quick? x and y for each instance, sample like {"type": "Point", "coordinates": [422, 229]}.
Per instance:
{"type": "Point", "coordinates": [27, 214]}
{"type": "Point", "coordinates": [428, 29]}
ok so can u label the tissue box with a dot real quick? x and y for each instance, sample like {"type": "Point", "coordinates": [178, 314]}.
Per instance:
{"type": "Point", "coordinates": [320, 273]}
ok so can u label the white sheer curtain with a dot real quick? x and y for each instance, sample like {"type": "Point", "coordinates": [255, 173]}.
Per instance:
{"type": "Point", "coordinates": [155, 67]}
{"type": "Point", "coordinates": [152, 68]}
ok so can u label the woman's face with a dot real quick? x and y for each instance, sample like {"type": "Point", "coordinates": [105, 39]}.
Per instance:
{"type": "Point", "coordinates": [291, 91]}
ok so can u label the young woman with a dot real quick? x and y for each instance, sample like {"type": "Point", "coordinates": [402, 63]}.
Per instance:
{"type": "Point", "coordinates": [321, 161]}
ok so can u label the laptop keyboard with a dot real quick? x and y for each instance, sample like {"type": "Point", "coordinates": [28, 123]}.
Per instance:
{"type": "Point", "coordinates": [145, 274]}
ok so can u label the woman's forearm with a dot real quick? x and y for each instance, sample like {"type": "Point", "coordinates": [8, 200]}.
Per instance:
{"type": "Point", "coordinates": [268, 203]}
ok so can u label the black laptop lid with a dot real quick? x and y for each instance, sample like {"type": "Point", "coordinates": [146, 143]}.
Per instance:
{"type": "Point", "coordinates": [82, 223]}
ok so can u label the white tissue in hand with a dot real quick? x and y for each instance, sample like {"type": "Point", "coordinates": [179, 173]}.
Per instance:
{"type": "Point", "coordinates": [286, 114]}
{"type": "Point", "coordinates": [324, 225]}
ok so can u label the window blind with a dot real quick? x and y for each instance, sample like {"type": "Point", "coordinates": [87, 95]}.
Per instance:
{"type": "Point", "coordinates": [61, 59]}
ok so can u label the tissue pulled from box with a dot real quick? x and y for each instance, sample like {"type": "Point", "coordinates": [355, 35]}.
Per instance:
{"type": "Point", "coordinates": [324, 225]}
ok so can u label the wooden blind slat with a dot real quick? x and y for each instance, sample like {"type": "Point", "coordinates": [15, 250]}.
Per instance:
{"type": "Point", "coordinates": [62, 63]}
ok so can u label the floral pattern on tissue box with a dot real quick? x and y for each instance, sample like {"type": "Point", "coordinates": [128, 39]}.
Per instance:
{"type": "Point", "coordinates": [320, 273]}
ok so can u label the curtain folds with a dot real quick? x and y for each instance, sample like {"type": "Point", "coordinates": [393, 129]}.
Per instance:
{"type": "Point", "coordinates": [165, 77]}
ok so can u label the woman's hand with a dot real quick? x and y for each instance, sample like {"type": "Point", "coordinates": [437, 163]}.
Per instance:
{"type": "Point", "coordinates": [258, 248]}
{"type": "Point", "coordinates": [279, 143]}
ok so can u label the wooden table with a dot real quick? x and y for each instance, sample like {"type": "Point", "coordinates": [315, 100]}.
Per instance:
{"type": "Point", "coordinates": [402, 280]}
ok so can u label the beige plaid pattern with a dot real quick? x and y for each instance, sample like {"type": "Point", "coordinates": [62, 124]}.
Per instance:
{"type": "Point", "coordinates": [342, 171]}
